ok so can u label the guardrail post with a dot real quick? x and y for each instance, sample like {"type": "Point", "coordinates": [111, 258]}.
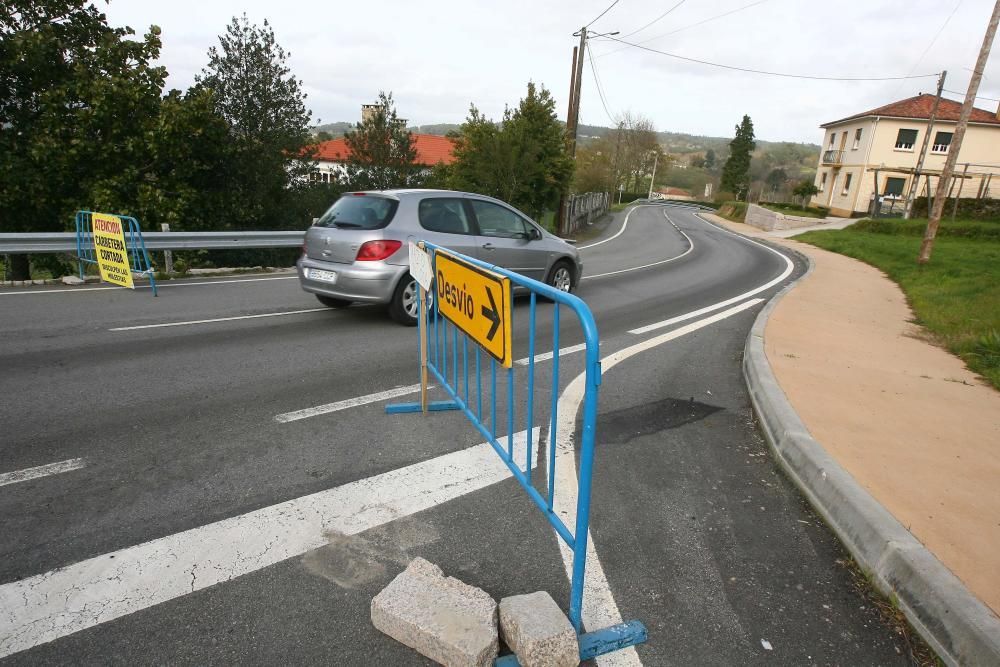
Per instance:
{"type": "Point", "coordinates": [168, 255]}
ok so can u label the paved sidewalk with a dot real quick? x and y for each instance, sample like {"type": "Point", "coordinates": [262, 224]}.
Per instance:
{"type": "Point", "coordinates": [904, 417]}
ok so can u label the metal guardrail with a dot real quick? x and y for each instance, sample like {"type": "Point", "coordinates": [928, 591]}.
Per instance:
{"type": "Point", "coordinates": [35, 242]}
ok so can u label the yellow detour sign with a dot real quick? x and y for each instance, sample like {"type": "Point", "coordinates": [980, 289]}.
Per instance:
{"type": "Point", "coordinates": [477, 301]}
{"type": "Point", "coordinates": [109, 247]}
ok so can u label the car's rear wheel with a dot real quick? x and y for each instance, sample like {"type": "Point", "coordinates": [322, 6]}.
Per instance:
{"type": "Point", "coordinates": [332, 302]}
{"type": "Point", "coordinates": [405, 304]}
{"type": "Point", "coordinates": [561, 276]}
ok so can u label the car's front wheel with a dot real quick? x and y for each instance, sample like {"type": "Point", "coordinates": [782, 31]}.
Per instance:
{"type": "Point", "coordinates": [405, 304]}
{"type": "Point", "coordinates": [561, 276]}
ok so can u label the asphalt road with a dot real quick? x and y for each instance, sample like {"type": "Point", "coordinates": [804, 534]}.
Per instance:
{"type": "Point", "coordinates": [173, 428]}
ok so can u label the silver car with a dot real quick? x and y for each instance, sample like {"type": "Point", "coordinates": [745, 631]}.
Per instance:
{"type": "Point", "coordinates": [359, 250]}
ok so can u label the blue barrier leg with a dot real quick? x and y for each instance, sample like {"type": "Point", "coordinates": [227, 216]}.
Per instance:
{"type": "Point", "coordinates": [531, 379]}
{"type": "Point", "coordinates": [479, 389]}
{"type": "Point", "coordinates": [510, 391]}
{"type": "Point", "coordinates": [555, 405]}
{"type": "Point", "coordinates": [493, 395]}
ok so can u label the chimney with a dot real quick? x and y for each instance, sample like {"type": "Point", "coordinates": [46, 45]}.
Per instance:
{"type": "Point", "coordinates": [368, 110]}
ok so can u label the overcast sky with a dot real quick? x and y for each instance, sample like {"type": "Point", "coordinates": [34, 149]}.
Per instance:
{"type": "Point", "coordinates": [438, 57]}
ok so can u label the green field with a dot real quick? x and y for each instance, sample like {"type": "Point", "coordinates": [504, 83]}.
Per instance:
{"type": "Point", "coordinates": [956, 297]}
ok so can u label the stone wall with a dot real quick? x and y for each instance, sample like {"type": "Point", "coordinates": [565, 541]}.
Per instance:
{"type": "Point", "coordinates": [768, 220]}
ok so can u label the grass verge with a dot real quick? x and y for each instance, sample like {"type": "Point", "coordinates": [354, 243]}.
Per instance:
{"type": "Point", "coordinates": [956, 296]}
{"type": "Point", "coordinates": [798, 211]}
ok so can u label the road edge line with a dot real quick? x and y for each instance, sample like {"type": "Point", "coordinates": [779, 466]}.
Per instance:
{"type": "Point", "coordinates": [957, 624]}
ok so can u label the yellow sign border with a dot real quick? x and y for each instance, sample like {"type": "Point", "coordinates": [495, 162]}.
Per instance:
{"type": "Point", "coordinates": [502, 308]}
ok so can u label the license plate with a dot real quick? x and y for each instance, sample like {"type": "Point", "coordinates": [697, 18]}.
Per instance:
{"type": "Point", "coordinates": [320, 274]}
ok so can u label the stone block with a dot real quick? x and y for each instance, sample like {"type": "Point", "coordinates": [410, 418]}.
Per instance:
{"type": "Point", "coordinates": [72, 280]}
{"type": "Point", "coordinates": [538, 631]}
{"type": "Point", "coordinates": [443, 618]}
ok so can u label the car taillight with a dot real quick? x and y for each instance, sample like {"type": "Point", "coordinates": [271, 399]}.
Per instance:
{"type": "Point", "coordinates": [373, 251]}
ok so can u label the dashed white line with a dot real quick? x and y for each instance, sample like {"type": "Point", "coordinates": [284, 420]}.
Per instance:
{"type": "Point", "coordinates": [48, 606]}
{"type": "Point", "coordinates": [220, 319]}
{"type": "Point", "coordinates": [545, 356]}
{"type": "Point", "coordinates": [305, 413]}
{"type": "Point", "coordinates": [646, 266]}
{"type": "Point", "coordinates": [41, 471]}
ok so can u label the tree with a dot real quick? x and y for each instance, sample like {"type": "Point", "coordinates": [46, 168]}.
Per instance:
{"type": "Point", "coordinates": [522, 160]}
{"type": "Point", "coordinates": [76, 98]}
{"type": "Point", "coordinates": [710, 159]}
{"type": "Point", "coordinates": [736, 171]}
{"type": "Point", "coordinates": [805, 189]}
{"type": "Point", "coordinates": [382, 152]}
{"type": "Point", "coordinates": [254, 90]}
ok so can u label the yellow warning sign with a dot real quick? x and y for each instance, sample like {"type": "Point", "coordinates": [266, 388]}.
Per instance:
{"type": "Point", "coordinates": [477, 301]}
{"type": "Point", "coordinates": [109, 247]}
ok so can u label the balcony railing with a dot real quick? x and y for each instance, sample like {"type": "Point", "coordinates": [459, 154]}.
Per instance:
{"type": "Point", "coordinates": [833, 157]}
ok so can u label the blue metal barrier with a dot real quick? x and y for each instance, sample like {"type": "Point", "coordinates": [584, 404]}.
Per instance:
{"type": "Point", "coordinates": [452, 370]}
{"type": "Point", "coordinates": [139, 258]}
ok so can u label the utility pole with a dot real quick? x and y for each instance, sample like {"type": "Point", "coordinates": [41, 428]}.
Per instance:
{"type": "Point", "coordinates": [573, 121]}
{"type": "Point", "coordinates": [656, 158]}
{"type": "Point", "coordinates": [912, 192]}
{"type": "Point", "coordinates": [956, 142]}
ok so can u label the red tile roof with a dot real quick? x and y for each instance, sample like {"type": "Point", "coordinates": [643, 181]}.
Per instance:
{"type": "Point", "coordinates": [674, 191]}
{"type": "Point", "coordinates": [431, 149]}
{"type": "Point", "coordinates": [920, 107]}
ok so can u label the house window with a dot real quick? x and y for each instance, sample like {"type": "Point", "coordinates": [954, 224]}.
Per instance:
{"type": "Point", "coordinates": [905, 140]}
{"type": "Point", "coordinates": [894, 187]}
{"type": "Point", "coordinates": [942, 140]}
{"type": "Point", "coordinates": [847, 183]}
{"type": "Point", "coordinates": [857, 139]}
{"type": "Point", "coordinates": [833, 136]}
{"type": "Point", "coordinates": [822, 181]}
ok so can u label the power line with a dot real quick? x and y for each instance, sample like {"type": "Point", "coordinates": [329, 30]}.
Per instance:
{"type": "Point", "coordinates": [933, 41]}
{"type": "Point", "coordinates": [597, 81]}
{"type": "Point", "coordinates": [663, 15]}
{"type": "Point", "coordinates": [978, 97]}
{"type": "Point", "coordinates": [781, 74]}
{"type": "Point", "coordinates": [693, 25]}
{"type": "Point", "coordinates": [602, 13]}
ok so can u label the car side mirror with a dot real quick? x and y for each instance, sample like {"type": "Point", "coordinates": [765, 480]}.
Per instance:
{"type": "Point", "coordinates": [534, 234]}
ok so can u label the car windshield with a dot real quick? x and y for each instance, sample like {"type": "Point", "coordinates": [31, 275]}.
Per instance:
{"type": "Point", "coordinates": [359, 211]}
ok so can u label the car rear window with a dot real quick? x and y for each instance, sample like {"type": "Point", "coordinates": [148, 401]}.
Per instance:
{"type": "Point", "coordinates": [355, 211]}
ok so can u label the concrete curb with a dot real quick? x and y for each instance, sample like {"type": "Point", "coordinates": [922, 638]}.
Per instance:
{"type": "Point", "coordinates": [962, 629]}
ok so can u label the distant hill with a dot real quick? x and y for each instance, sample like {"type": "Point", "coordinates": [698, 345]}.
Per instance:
{"type": "Point", "coordinates": [338, 129]}
{"type": "Point", "coordinates": [680, 143]}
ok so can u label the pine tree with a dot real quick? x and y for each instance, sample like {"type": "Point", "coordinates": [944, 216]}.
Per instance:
{"type": "Point", "coordinates": [736, 172]}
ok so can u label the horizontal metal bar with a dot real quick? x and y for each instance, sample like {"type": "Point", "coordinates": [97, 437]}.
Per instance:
{"type": "Point", "coordinates": [37, 242]}
{"type": "Point", "coordinates": [598, 642]}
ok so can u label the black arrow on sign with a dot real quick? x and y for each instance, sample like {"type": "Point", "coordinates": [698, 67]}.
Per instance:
{"type": "Point", "coordinates": [492, 315]}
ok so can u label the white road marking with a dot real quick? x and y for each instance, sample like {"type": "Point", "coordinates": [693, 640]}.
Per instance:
{"type": "Point", "coordinates": [41, 471]}
{"type": "Point", "coordinates": [646, 266]}
{"type": "Point", "coordinates": [599, 607]}
{"type": "Point", "coordinates": [82, 290]}
{"type": "Point", "coordinates": [789, 267]}
{"type": "Point", "coordinates": [620, 231]}
{"type": "Point", "coordinates": [45, 607]}
{"type": "Point", "coordinates": [219, 319]}
{"type": "Point", "coordinates": [305, 413]}
{"type": "Point", "coordinates": [545, 356]}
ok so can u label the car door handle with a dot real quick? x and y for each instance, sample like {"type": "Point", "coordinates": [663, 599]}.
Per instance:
{"type": "Point", "coordinates": [488, 246]}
